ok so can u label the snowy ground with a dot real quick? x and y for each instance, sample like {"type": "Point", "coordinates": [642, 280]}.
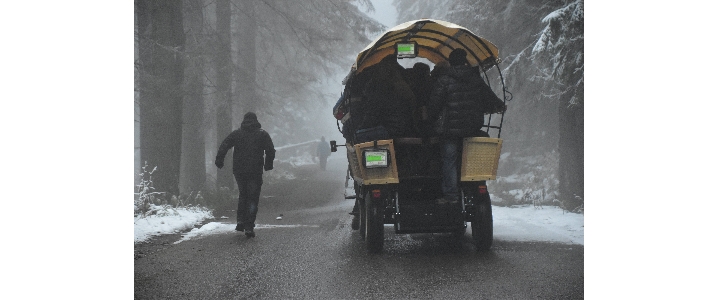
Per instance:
{"type": "Point", "coordinates": [547, 224]}
{"type": "Point", "coordinates": [217, 228]}
{"type": "Point", "coordinates": [526, 223]}
{"type": "Point", "coordinates": [168, 221]}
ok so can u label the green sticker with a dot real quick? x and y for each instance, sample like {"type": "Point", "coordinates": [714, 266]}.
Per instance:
{"type": "Point", "coordinates": [405, 48]}
{"type": "Point", "coordinates": [370, 158]}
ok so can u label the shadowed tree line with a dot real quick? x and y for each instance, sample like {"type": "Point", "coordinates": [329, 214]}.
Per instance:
{"type": "Point", "coordinates": [201, 64]}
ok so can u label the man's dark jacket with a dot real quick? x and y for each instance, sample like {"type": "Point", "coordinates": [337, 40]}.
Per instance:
{"type": "Point", "coordinates": [466, 98]}
{"type": "Point", "coordinates": [250, 143]}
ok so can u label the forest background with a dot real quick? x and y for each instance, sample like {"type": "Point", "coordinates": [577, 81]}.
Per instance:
{"type": "Point", "coordinates": [201, 64]}
{"type": "Point", "coordinates": [69, 74]}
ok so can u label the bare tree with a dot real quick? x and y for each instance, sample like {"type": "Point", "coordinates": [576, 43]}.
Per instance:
{"type": "Point", "coordinates": [161, 38]}
{"type": "Point", "coordinates": [201, 64]}
{"type": "Point", "coordinates": [245, 59]}
{"type": "Point", "coordinates": [192, 167]}
{"type": "Point", "coordinates": [223, 66]}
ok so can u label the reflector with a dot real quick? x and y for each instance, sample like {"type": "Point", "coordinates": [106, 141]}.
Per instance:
{"type": "Point", "coordinates": [376, 193]}
{"type": "Point", "coordinates": [482, 189]}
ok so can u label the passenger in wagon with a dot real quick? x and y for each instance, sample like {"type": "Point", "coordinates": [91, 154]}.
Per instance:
{"type": "Point", "coordinates": [458, 102]}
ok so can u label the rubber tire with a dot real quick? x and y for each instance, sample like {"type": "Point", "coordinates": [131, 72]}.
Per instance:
{"type": "Point", "coordinates": [374, 224]}
{"type": "Point", "coordinates": [482, 227]}
{"type": "Point", "coordinates": [355, 219]}
{"type": "Point", "coordinates": [362, 220]}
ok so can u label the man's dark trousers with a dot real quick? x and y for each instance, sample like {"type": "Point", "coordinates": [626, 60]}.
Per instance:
{"type": "Point", "coordinates": [249, 189]}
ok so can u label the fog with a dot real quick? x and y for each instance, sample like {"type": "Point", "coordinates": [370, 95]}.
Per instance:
{"type": "Point", "coordinates": [201, 64]}
{"type": "Point", "coordinates": [541, 47]}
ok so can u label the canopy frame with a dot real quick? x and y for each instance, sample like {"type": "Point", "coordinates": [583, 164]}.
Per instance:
{"type": "Point", "coordinates": [415, 31]}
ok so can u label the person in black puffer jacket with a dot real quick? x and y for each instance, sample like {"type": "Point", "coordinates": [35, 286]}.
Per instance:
{"type": "Point", "coordinates": [253, 151]}
{"type": "Point", "coordinates": [465, 97]}
{"type": "Point", "coordinates": [457, 105]}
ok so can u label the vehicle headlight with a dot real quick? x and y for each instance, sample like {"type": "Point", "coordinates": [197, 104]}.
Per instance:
{"type": "Point", "coordinates": [376, 158]}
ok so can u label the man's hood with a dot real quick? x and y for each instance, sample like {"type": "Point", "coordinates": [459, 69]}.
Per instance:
{"type": "Point", "coordinates": [250, 124]}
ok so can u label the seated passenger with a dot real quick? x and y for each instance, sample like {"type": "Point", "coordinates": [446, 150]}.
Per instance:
{"type": "Point", "coordinates": [388, 99]}
{"type": "Point", "coordinates": [420, 82]}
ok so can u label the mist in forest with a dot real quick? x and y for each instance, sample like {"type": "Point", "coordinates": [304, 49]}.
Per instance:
{"type": "Point", "coordinates": [541, 47]}
{"type": "Point", "coordinates": [201, 64]}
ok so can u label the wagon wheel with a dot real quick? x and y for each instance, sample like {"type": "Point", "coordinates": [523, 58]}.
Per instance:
{"type": "Point", "coordinates": [482, 225]}
{"type": "Point", "coordinates": [362, 218]}
{"type": "Point", "coordinates": [355, 215]}
{"type": "Point", "coordinates": [374, 224]}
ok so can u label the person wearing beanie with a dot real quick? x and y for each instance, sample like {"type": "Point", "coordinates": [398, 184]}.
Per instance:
{"type": "Point", "coordinates": [253, 154]}
{"type": "Point", "coordinates": [458, 57]}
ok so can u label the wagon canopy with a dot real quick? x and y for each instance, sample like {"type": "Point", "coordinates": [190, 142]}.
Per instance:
{"type": "Point", "coordinates": [435, 40]}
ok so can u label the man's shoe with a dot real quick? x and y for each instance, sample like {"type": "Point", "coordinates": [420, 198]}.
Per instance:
{"type": "Point", "coordinates": [239, 227]}
{"type": "Point", "coordinates": [249, 233]}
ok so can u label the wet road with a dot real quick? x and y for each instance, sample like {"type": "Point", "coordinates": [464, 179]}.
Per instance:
{"type": "Point", "coordinates": [324, 259]}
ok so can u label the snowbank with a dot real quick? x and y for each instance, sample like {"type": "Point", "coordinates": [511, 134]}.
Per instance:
{"type": "Point", "coordinates": [547, 224]}
{"type": "Point", "coordinates": [217, 228]}
{"type": "Point", "coordinates": [168, 220]}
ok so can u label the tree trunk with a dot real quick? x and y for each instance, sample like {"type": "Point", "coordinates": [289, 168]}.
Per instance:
{"type": "Point", "coordinates": [211, 98]}
{"type": "Point", "coordinates": [138, 153]}
{"type": "Point", "coordinates": [224, 88]}
{"type": "Point", "coordinates": [192, 168]}
{"type": "Point", "coordinates": [571, 154]}
{"type": "Point", "coordinates": [161, 95]}
{"type": "Point", "coordinates": [246, 60]}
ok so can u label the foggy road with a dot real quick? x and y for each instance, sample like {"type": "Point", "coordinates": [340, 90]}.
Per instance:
{"type": "Point", "coordinates": [313, 253]}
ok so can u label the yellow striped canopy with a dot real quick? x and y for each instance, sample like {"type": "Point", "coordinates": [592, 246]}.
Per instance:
{"type": "Point", "coordinates": [435, 39]}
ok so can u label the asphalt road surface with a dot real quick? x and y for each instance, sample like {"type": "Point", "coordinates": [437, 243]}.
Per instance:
{"type": "Point", "coordinates": [316, 255]}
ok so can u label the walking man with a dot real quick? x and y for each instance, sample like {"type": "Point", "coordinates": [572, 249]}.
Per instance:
{"type": "Point", "coordinates": [323, 152]}
{"type": "Point", "coordinates": [253, 151]}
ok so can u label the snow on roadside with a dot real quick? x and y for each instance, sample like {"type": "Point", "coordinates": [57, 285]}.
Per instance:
{"type": "Point", "coordinates": [168, 220]}
{"type": "Point", "coordinates": [523, 223]}
{"type": "Point", "coordinates": [547, 224]}
{"type": "Point", "coordinates": [217, 228]}
{"type": "Point", "coordinates": [295, 145]}
{"type": "Point", "coordinates": [207, 229]}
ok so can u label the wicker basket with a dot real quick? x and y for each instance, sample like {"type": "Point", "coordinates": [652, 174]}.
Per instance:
{"type": "Point", "coordinates": [480, 158]}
